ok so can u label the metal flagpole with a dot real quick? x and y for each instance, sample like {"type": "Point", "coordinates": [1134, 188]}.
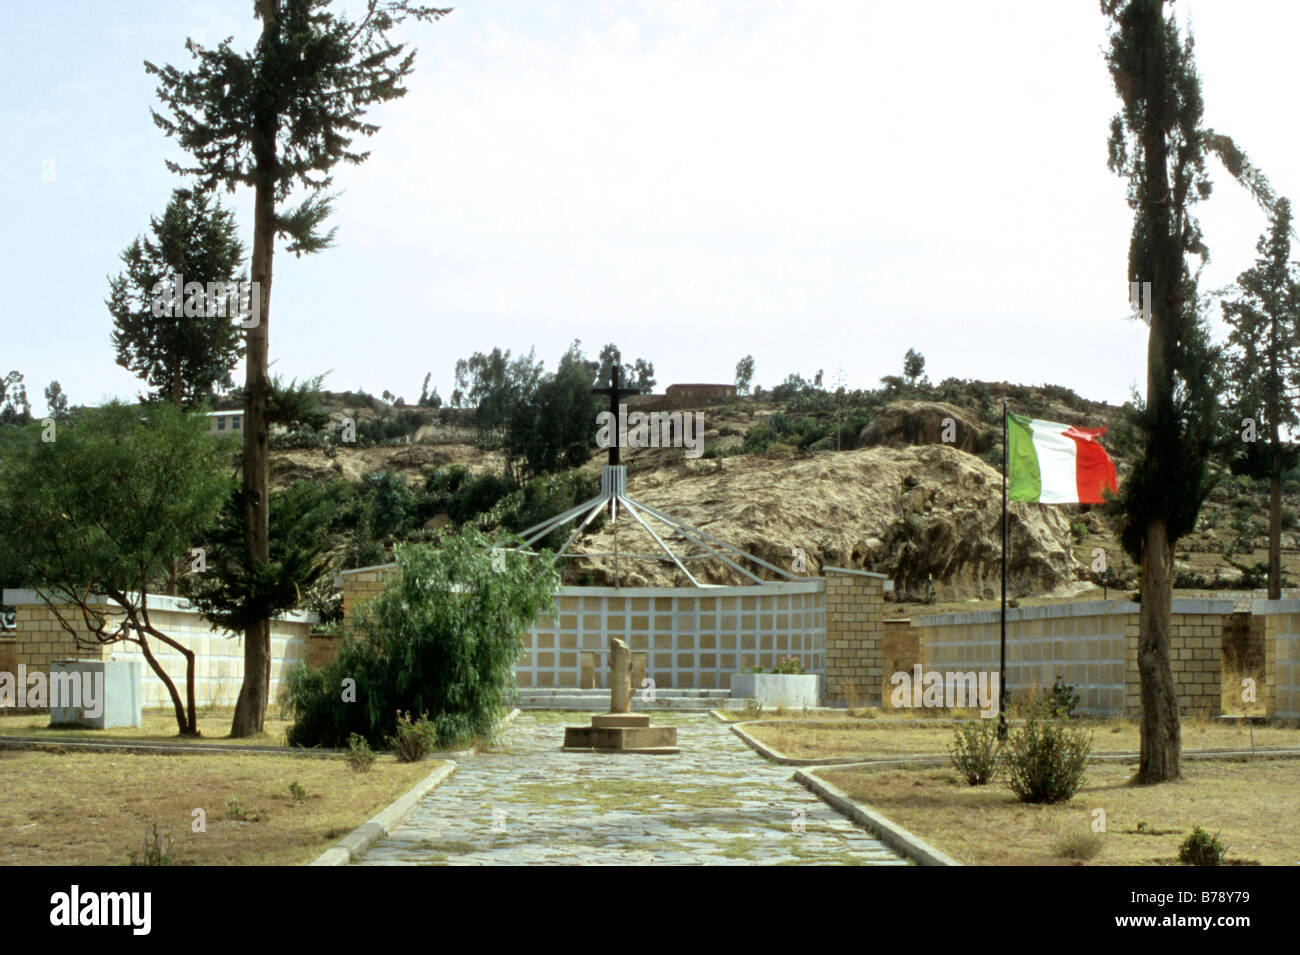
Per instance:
{"type": "Point", "coordinates": [1006, 536]}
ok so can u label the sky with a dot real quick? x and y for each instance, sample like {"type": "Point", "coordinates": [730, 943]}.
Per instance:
{"type": "Point", "coordinates": [821, 185]}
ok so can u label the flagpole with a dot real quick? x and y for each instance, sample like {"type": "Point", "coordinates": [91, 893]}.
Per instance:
{"type": "Point", "coordinates": [1006, 536]}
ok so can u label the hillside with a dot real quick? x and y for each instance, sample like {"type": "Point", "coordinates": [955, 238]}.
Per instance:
{"type": "Point", "coordinates": [894, 498]}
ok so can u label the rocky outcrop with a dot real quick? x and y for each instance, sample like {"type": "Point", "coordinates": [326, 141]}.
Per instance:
{"type": "Point", "coordinates": [906, 423]}
{"type": "Point", "coordinates": [911, 513]}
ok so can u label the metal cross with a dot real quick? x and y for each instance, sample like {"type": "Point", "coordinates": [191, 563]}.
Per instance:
{"type": "Point", "coordinates": [615, 392]}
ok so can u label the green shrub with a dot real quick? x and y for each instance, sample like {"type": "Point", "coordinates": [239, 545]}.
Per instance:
{"type": "Point", "coordinates": [1079, 530]}
{"type": "Point", "coordinates": [1060, 701]}
{"type": "Point", "coordinates": [975, 750]}
{"type": "Point", "coordinates": [360, 756]}
{"type": "Point", "coordinates": [157, 848]}
{"type": "Point", "coordinates": [1080, 845]}
{"type": "Point", "coordinates": [1201, 848]}
{"type": "Point", "coordinates": [235, 810]}
{"type": "Point", "coordinates": [442, 638]}
{"type": "Point", "coordinates": [788, 666]}
{"type": "Point", "coordinates": [1045, 761]}
{"type": "Point", "coordinates": [298, 791]}
{"type": "Point", "coordinates": [414, 739]}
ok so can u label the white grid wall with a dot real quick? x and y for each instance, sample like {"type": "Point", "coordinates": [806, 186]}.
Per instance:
{"type": "Point", "coordinates": [1083, 646]}
{"type": "Point", "coordinates": [691, 638]}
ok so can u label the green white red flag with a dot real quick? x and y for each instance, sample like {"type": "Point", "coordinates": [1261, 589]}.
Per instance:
{"type": "Point", "coordinates": [1054, 463]}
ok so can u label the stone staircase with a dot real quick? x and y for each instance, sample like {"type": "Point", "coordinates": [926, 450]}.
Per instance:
{"type": "Point", "coordinates": [597, 701]}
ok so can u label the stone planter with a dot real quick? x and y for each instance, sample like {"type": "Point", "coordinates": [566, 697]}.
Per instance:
{"type": "Point", "coordinates": [777, 689]}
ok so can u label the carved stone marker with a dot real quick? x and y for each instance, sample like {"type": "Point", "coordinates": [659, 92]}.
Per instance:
{"type": "Point", "coordinates": [620, 730]}
{"type": "Point", "coordinates": [620, 677]}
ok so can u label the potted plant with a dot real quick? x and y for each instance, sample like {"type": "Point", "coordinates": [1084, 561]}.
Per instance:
{"type": "Point", "coordinates": [784, 685]}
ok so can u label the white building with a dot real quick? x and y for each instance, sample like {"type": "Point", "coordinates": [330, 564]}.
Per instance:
{"type": "Point", "coordinates": [225, 422]}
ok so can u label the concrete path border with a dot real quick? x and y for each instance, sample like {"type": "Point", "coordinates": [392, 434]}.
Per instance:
{"type": "Point", "coordinates": [368, 833]}
{"type": "Point", "coordinates": [390, 817]}
{"type": "Point", "coordinates": [902, 841]}
{"type": "Point", "coordinates": [146, 747]}
{"type": "Point", "coordinates": [933, 759]}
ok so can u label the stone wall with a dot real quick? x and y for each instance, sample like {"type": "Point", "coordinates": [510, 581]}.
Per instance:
{"type": "Point", "coordinates": [854, 647]}
{"type": "Point", "coordinates": [1280, 692]}
{"type": "Point", "coordinates": [39, 639]}
{"type": "Point", "coordinates": [1195, 654]}
{"type": "Point", "coordinates": [900, 652]}
{"type": "Point", "coordinates": [361, 584]}
{"type": "Point", "coordinates": [697, 638]}
{"type": "Point", "coordinates": [1091, 646]}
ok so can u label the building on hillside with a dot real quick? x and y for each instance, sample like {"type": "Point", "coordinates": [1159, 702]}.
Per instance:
{"type": "Point", "coordinates": [699, 393]}
{"type": "Point", "coordinates": [232, 422]}
{"type": "Point", "coordinates": [225, 422]}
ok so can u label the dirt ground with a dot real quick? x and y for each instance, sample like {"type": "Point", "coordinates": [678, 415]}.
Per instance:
{"type": "Point", "coordinates": [1253, 807]}
{"type": "Point", "coordinates": [79, 808]}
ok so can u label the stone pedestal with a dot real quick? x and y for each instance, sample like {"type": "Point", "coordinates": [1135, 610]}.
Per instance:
{"type": "Point", "coordinates": [621, 731]}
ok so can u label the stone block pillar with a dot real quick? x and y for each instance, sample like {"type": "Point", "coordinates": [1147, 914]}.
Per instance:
{"type": "Point", "coordinates": [854, 637]}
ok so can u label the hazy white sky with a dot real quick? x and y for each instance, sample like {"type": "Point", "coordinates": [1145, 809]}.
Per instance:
{"type": "Point", "coordinates": [818, 184]}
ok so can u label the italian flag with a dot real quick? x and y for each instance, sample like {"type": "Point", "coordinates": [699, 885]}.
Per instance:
{"type": "Point", "coordinates": [1054, 463]}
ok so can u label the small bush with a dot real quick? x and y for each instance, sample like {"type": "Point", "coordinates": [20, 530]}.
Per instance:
{"type": "Point", "coordinates": [360, 756]}
{"type": "Point", "coordinates": [297, 791]}
{"type": "Point", "coordinates": [157, 848]}
{"type": "Point", "coordinates": [1060, 701]}
{"type": "Point", "coordinates": [975, 751]}
{"type": "Point", "coordinates": [235, 810]}
{"type": "Point", "coordinates": [414, 739]}
{"type": "Point", "coordinates": [442, 638]}
{"type": "Point", "coordinates": [1080, 845]}
{"type": "Point", "coordinates": [1078, 530]}
{"type": "Point", "coordinates": [1045, 761]}
{"type": "Point", "coordinates": [753, 709]}
{"type": "Point", "coordinates": [1201, 848]}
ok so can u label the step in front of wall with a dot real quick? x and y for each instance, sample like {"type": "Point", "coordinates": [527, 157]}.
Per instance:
{"type": "Point", "coordinates": [559, 698]}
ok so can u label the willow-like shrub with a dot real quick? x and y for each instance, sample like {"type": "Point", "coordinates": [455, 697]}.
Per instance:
{"type": "Point", "coordinates": [442, 638]}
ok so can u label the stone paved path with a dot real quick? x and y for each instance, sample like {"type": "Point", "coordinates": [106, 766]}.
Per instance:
{"type": "Point", "coordinates": [717, 803]}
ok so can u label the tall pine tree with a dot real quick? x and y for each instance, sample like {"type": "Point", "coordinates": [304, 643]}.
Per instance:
{"type": "Point", "coordinates": [1158, 144]}
{"type": "Point", "coordinates": [1264, 363]}
{"type": "Point", "coordinates": [274, 119]}
{"type": "Point", "coordinates": [183, 357]}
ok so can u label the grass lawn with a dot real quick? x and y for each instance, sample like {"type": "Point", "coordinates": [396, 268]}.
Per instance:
{"type": "Point", "coordinates": [79, 808]}
{"type": "Point", "coordinates": [1255, 808]}
{"type": "Point", "coordinates": [157, 726]}
{"type": "Point", "coordinates": [868, 738]}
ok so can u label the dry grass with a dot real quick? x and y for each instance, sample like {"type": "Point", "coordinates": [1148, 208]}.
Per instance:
{"type": "Point", "coordinates": [157, 726]}
{"type": "Point", "coordinates": [870, 739]}
{"type": "Point", "coordinates": [77, 808]}
{"type": "Point", "coordinates": [1254, 807]}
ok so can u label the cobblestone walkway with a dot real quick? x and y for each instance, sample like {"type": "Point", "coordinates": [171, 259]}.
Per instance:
{"type": "Point", "coordinates": [717, 803]}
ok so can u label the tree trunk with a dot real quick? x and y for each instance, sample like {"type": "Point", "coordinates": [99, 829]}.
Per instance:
{"type": "Point", "coordinates": [185, 722]}
{"type": "Point", "coordinates": [250, 708]}
{"type": "Point", "coordinates": [1160, 730]}
{"type": "Point", "coordinates": [1275, 467]}
{"type": "Point", "coordinates": [174, 576]}
{"type": "Point", "coordinates": [1161, 734]}
{"type": "Point", "coordinates": [1275, 528]}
